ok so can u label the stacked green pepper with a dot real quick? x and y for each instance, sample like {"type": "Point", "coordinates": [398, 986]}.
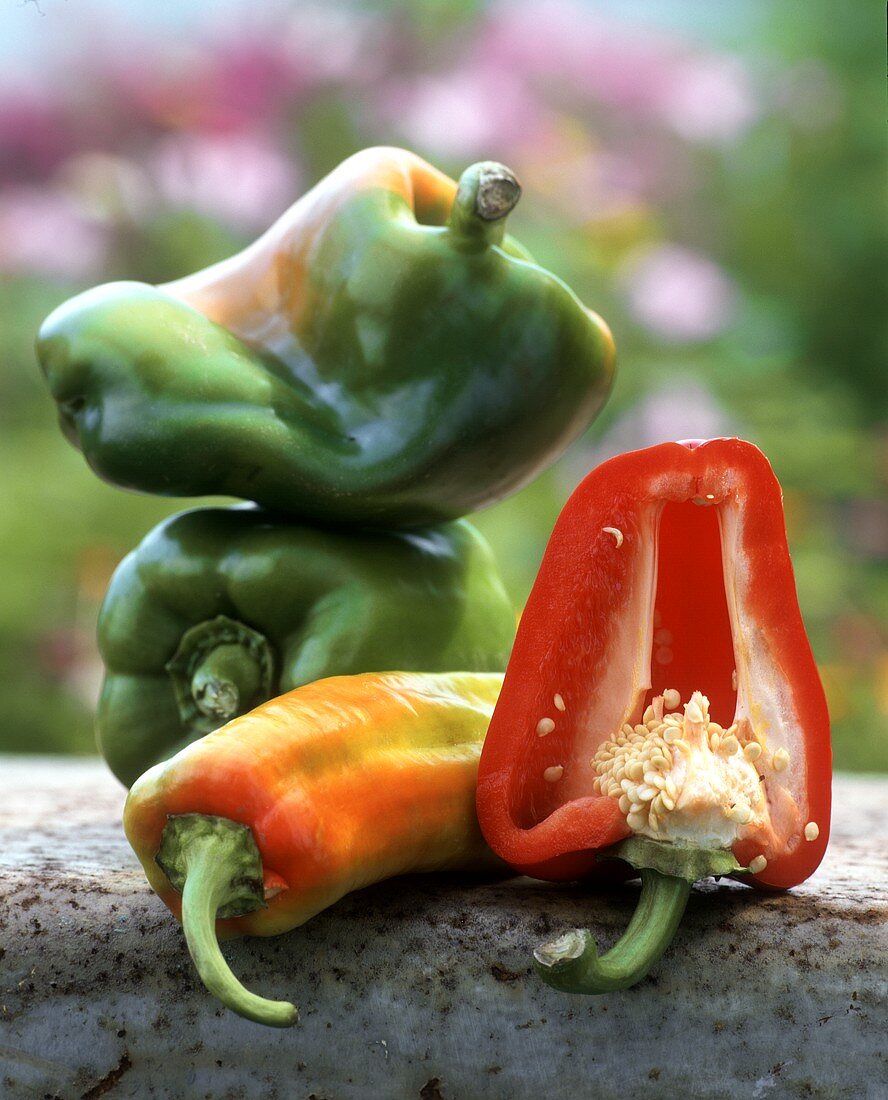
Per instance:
{"type": "Point", "coordinates": [220, 609]}
{"type": "Point", "coordinates": [381, 362]}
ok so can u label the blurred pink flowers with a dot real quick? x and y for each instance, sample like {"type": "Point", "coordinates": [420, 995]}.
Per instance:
{"type": "Point", "coordinates": [537, 69]}
{"type": "Point", "coordinates": [43, 230]}
{"type": "Point", "coordinates": [244, 180]}
{"type": "Point", "coordinates": [678, 295]}
{"type": "Point", "coordinates": [708, 99]}
{"type": "Point", "coordinates": [474, 112]}
{"type": "Point", "coordinates": [586, 107]}
{"type": "Point", "coordinates": [566, 47]}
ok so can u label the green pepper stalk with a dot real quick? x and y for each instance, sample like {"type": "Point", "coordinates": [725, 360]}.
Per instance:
{"type": "Point", "coordinates": [221, 668]}
{"type": "Point", "coordinates": [216, 866]}
{"type": "Point", "coordinates": [225, 681]}
{"type": "Point", "coordinates": [572, 963]}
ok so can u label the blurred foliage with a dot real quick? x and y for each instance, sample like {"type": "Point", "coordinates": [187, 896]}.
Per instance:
{"type": "Point", "coordinates": [715, 192]}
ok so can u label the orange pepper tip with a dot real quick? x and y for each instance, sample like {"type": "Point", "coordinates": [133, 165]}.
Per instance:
{"type": "Point", "coordinates": [273, 884]}
{"type": "Point", "coordinates": [216, 865]}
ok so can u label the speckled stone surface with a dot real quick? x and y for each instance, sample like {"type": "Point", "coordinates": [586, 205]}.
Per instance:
{"type": "Point", "coordinates": [421, 988]}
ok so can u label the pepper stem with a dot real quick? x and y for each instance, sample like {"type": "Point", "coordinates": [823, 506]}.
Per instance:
{"type": "Point", "coordinates": [572, 963]}
{"type": "Point", "coordinates": [221, 669]}
{"type": "Point", "coordinates": [215, 863]}
{"type": "Point", "coordinates": [487, 193]}
{"type": "Point", "coordinates": [226, 680]}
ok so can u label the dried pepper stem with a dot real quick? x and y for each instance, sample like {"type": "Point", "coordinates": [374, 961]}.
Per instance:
{"type": "Point", "coordinates": [487, 193]}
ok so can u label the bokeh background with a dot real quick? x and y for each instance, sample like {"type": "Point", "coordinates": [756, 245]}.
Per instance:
{"type": "Point", "coordinates": [710, 177]}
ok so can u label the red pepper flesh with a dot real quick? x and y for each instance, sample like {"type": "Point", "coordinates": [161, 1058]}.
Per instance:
{"type": "Point", "coordinates": [667, 568]}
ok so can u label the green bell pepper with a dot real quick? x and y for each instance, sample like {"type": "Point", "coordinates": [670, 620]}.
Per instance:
{"type": "Point", "coordinates": [220, 609]}
{"type": "Point", "coordinates": [384, 355]}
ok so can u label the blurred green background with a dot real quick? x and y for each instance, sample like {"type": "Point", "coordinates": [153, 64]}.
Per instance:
{"type": "Point", "coordinates": [709, 177]}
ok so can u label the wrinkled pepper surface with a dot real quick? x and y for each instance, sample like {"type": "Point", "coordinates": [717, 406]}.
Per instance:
{"type": "Point", "coordinates": [270, 819]}
{"type": "Point", "coordinates": [383, 355]}
{"type": "Point", "coordinates": [220, 609]}
{"type": "Point", "coordinates": [661, 706]}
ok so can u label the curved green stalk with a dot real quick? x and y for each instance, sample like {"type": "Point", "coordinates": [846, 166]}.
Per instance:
{"type": "Point", "coordinates": [206, 890]}
{"type": "Point", "coordinates": [572, 963]}
{"type": "Point", "coordinates": [216, 865]}
{"type": "Point", "coordinates": [487, 193]}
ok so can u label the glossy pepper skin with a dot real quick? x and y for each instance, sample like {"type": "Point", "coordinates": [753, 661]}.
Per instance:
{"type": "Point", "coordinates": [668, 568]}
{"type": "Point", "coordinates": [220, 609]}
{"type": "Point", "coordinates": [383, 355]}
{"type": "Point", "coordinates": [327, 789]}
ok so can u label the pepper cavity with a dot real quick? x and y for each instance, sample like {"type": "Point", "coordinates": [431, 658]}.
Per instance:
{"type": "Point", "coordinates": [681, 776]}
{"type": "Point", "coordinates": [721, 771]}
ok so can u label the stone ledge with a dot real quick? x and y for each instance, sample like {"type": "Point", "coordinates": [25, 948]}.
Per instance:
{"type": "Point", "coordinates": [421, 987]}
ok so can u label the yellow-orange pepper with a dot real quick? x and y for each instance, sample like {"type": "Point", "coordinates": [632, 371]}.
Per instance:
{"type": "Point", "coordinates": [332, 787]}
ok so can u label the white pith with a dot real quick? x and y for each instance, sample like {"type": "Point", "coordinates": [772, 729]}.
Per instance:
{"type": "Point", "coordinates": [681, 778]}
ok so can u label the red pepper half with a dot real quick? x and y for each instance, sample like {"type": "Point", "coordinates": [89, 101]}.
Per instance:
{"type": "Point", "coordinates": [661, 704]}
